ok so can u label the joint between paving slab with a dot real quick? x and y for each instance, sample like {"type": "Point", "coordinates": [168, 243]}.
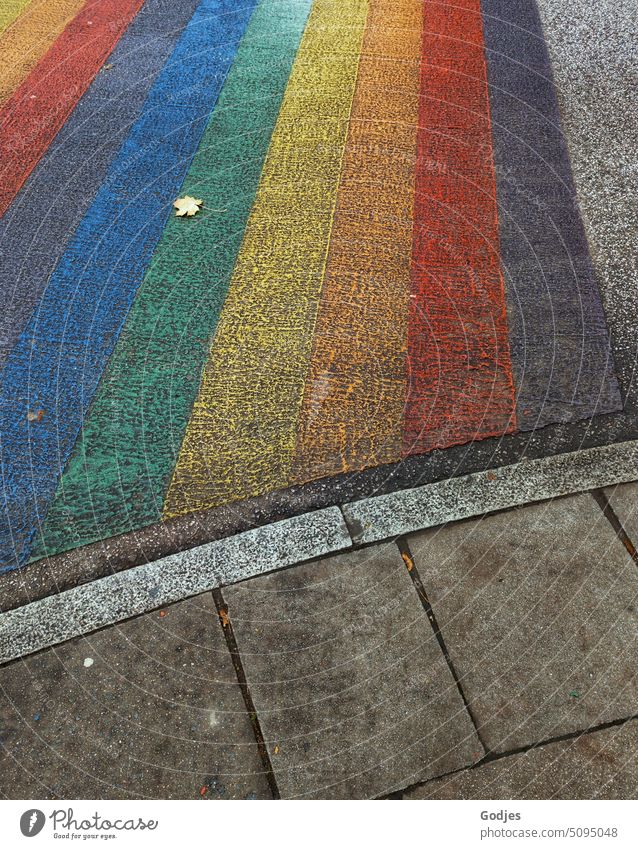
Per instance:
{"type": "Point", "coordinates": [413, 572]}
{"type": "Point", "coordinates": [115, 598]}
{"type": "Point", "coordinates": [492, 757]}
{"type": "Point", "coordinates": [233, 649]}
{"type": "Point", "coordinates": [610, 514]}
{"type": "Point", "coordinates": [398, 795]}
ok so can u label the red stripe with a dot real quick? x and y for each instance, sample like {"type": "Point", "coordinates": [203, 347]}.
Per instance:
{"type": "Point", "coordinates": [459, 373]}
{"type": "Point", "coordinates": [30, 119]}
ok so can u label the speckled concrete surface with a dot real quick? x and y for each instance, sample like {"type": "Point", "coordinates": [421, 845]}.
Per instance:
{"type": "Point", "coordinates": [354, 696]}
{"type": "Point", "coordinates": [594, 53]}
{"type": "Point", "coordinates": [154, 542]}
{"type": "Point", "coordinates": [538, 608]}
{"type": "Point", "coordinates": [403, 512]}
{"type": "Point", "coordinates": [149, 709]}
{"type": "Point", "coordinates": [117, 597]}
{"type": "Point", "coordinates": [600, 765]}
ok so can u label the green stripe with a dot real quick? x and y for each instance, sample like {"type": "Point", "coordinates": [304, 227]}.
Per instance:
{"type": "Point", "coordinates": [121, 466]}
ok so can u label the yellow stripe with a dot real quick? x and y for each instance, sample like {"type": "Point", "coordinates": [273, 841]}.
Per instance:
{"type": "Point", "coordinates": [9, 11]}
{"type": "Point", "coordinates": [23, 44]}
{"type": "Point", "coordinates": [241, 436]}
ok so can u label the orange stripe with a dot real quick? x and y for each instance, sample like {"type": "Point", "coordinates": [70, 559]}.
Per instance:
{"type": "Point", "coordinates": [353, 402]}
{"type": "Point", "coordinates": [23, 45]}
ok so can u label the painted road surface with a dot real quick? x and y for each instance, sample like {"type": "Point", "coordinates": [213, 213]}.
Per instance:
{"type": "Point", "coordinates": [390, 260]}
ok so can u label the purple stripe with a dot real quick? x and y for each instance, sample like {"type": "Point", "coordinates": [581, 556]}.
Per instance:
{"type": "Point", "coordinates": [561, 357]}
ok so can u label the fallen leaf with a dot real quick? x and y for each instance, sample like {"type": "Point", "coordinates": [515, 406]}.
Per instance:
{"type": "Point", "coordinates": [35, 416]}
{"type": "Point", "coordinates": [187, 206]}
{"type": "Point", "coordinates": [408, 561]}
{"type": "Point", "coordinates": [491, 476]}
{"type": "Point", "coordinates": [275, 751]}
{"type": "Point", "coordinates": [223, 615]}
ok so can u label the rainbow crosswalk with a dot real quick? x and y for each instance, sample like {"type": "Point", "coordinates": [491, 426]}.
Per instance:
{"type": "Point", "coordinates": [382, 266]}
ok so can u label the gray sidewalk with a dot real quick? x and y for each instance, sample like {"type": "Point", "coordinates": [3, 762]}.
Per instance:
{"type": "Point", "coordinates": [491, 657]}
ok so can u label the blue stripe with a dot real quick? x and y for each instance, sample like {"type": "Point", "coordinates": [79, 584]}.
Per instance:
{"type": "Point", "coordinates": [56, 364]}
{"type": "Point", "coordinates": [37, 227]}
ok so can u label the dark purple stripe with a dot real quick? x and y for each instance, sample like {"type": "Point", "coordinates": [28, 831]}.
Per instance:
{"type": "Point", "coordinates": [560, 350]}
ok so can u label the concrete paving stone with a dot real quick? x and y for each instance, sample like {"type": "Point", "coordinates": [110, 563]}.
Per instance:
{"type": "Point", "coordinates": [538, 608]}
{"type": "Point", "coordinates": [410, 510]}
{"type": "Point", "coordinates": [354, 697]}
{"type": "Point", "coordinates": [596, 765]}
{"type": "Point", "coordinates": [624, 502]}
{"type": "Point", "coordinates": [147, 709]}
{"type": "Point", "coordinates": [117, 597]}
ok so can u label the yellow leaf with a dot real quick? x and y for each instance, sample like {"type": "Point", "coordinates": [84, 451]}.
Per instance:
{"type": "Point", "coordinates": [187, 206]}
{"type": "Point", "coordinates": [407, 560]}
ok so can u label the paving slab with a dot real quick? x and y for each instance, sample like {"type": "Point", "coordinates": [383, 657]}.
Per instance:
{"type": "Point", "coordinates": [538, 608]}
{"type": "Point", "coordinates": [597, 765]}
{"type": "Point", "coordinates": [624, 502]}
{"type": "Point", "coordinates": [354, 696]}
{"type": "Point", "coordinates": [147, 709]}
